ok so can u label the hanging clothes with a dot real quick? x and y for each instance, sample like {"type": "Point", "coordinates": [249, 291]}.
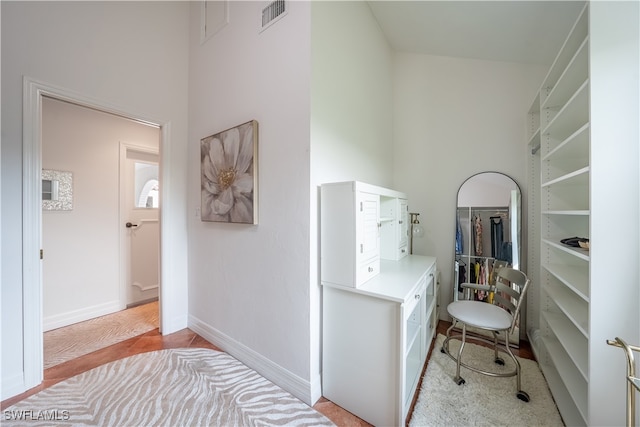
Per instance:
{"type": "Point", "coordinates": [476, 268]}
{"type": "Point", "coordinates": [482, 295]}
{"type": "Point", "coordinates": [496, 237]}
{"type": "Point", "coordinates": [472, 273]}
{"type": "Point", "coordinates": [462, 276]}
{"type": "Point", "coordinates": [477, 233]}
{"type": "Point", "coordinates": [459, 241]}
{"type": "Point", "coordinates": [507, 253]}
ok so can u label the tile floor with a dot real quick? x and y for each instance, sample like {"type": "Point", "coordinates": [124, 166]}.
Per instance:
{"type": "Point", "coordinates": [153, 340]}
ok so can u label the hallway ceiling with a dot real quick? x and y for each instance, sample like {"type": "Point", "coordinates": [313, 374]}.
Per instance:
{"type": "Point", "coordinates": [511, 31]}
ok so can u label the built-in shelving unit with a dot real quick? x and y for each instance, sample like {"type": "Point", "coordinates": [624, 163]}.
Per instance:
{"type": "Point", "coordinates": [562, 107]}
{"type": "Point", "coordinates": [576, 297]}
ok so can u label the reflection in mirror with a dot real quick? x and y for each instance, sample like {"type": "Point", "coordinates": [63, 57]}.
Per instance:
{"type": "Point", "coordinates": [487, 232]}
{"type": "Point", "coordinates": [146, 184]}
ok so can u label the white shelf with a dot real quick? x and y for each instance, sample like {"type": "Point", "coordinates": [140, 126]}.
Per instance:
{"type": "Point", "coordinates": [576, 252]}
{"type": "Point", "coordinates": [573, 76]}
{"type": "Point", "coordinates": [575, 311]}
{"type": "Point", "coordinates": [573, 344]}
{"type": "Point", "coordinates": [576, 145]}
{"type": "Point", "coordinates": [578, 177]}
{"type": "Point", "coordinates": [573, 115]}
{"type": "Point", "coordinates": [571, 413]}
{"type": "Point", "coordinates": [575, 278]}
{"type": "Point", "coordinates": [577, 35]}
{"type": "Point", "coordinates": [580, 212]}
{"type": "Point", "coordinates": [570, 376]}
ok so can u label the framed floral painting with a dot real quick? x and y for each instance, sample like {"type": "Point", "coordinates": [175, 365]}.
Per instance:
{"type": "Point", "coordinates": [229, 171]}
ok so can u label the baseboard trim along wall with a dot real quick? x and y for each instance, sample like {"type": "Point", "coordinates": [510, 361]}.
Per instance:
{"type": "Point", "coordinates": [75, 316]}
{"type": "Point", "coordinates": [292, 383]}
{"type": "Point", "coordinates": [12, 385]}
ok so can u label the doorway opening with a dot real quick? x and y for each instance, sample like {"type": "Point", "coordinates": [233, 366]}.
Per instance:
{"type": "Point", "coordinates": [35, 94]}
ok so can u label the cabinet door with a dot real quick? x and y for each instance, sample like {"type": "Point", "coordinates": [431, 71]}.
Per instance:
{"type": "Point", "coordinates": [414, 344]}
{"type": "Point", "coordinates": [403, 238]}
{"type": "Point", "coordinates": [368, 234]}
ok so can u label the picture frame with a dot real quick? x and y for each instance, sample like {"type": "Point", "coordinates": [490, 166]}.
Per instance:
{"type": "Point", "coordinates": [229, 175]}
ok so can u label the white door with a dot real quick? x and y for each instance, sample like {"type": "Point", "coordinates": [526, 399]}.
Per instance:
{"type": "Point", "coordinates": [139, 187]}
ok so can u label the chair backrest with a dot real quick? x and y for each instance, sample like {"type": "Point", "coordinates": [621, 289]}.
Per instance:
{"type": "Point", "coordinates": [511, 287]}
{"type": "Point", "coordinates": [497, 265]}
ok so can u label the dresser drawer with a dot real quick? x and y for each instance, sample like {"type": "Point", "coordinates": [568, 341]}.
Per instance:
{"type": "Point", "coordinates": [403, 251]}
{"type": "Point", "coordinates": [367, 270]}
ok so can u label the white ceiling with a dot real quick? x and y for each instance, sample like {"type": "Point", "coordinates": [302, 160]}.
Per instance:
{"type": "Point", "coordinates": [512, 31]}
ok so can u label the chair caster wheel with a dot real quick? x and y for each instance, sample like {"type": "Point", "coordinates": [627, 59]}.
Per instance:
{"type": "Point", "coordinates": [522, 395]}
{"type": "Point", "coordinates": [459, 380]}
{"type": "Point", "coordinates": [499, 361]}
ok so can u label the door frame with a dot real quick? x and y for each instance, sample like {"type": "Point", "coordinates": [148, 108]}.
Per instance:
{"type": "Point", "coordinates": [33, 92]}
{"type": "Point", "coordinates": [125, 259]}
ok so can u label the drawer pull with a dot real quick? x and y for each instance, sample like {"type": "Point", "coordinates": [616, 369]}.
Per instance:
{"type": "Point", "coordinates": [417, 296]}
{"type": "Point", "coordinates": [370, 269]}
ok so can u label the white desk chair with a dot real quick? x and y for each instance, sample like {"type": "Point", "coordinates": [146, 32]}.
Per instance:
{"type": "Point", "coordinates": [499, 317]}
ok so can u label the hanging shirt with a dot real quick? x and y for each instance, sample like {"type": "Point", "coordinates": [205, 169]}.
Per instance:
{"type": "Point", "coordinates": [477, 227]}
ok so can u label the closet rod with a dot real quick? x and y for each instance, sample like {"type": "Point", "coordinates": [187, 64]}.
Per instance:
{"type": "Point", "coordinates": [485, 208]}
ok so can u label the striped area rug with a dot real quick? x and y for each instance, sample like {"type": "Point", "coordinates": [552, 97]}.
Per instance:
{"type": "Point", "coordinates": [176, 387]}
{"type": "Point", "coordinates": [69, 342]}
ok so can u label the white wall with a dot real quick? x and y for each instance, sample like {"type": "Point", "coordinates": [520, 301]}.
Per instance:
{"type": "Point", "coordinates": [351, 94]}
{"type": "Point", "coordinates": [132, 56]}
{"type": "Point", "coordinates": [249, 285]}
{"type": "Point", "coordinates": [454, 118]}
{"type": "Point", "coordinates": [82, 246]}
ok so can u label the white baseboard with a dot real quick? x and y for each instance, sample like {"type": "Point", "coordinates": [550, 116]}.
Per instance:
{"type": "Point", "coordinates": [175, 324]}
{"type": "Point", "coordinates": [316, 389]}
{"type": "Point", "coordinates": [12, 386]}
{"type": "Point", "coordinates": [75, 316]}
{"type": "Point", "coordinates": [290, 382]}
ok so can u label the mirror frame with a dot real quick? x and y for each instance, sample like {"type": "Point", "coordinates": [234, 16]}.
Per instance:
{"type": "Point", "coordinates": [515, 229]}
{"type": "Point", "coordinates": [515, 224]}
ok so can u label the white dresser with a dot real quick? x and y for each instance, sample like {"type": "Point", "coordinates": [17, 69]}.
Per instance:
{"type": "Point", "coordinates": [380, 306]}
{"type": "Point", "coordinates": [376, 339]}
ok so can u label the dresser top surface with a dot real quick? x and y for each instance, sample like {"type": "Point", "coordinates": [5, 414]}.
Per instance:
{"type": "Point", "coordinates": [397, 280]}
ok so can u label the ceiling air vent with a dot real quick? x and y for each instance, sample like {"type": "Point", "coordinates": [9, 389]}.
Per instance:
{"type": "Point", "coordinates": [273, 12]}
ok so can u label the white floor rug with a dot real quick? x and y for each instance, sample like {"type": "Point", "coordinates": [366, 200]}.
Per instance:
{"type": "Point", "coordinates": [482, 400]}
{"type": "Point", "coordinates": [69, 342]}
{"type": "Point", "coordinates": [177, 387]}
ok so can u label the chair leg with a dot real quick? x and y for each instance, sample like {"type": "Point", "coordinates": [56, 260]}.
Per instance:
{"type": "Point", "coordinates": [446, 341]}
{"type": "Point", "coordinates": [458, 379]}
{"type": "Point", "coordinates": [496, 358]}
{"type": "Point", "coordinates": [450, 328]}
{"type": "Point", "coordinates": [522, 395]}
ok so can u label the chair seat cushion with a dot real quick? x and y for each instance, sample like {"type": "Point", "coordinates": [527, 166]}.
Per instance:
{"type": "Point", "coordinates": [480, 315]}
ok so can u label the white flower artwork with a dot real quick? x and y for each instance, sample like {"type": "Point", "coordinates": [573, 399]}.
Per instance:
{"type": "Point", "coordinates": [229, 175]}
